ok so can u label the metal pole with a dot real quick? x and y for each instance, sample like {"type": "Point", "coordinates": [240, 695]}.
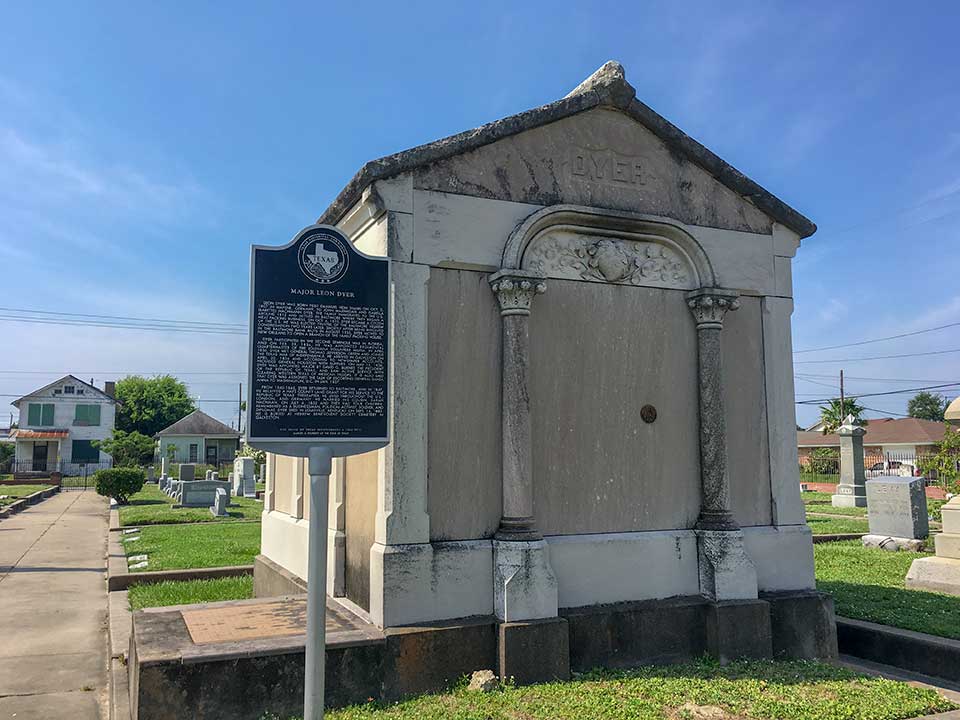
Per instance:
{"type": "Point", "coordinates": [319, 467]}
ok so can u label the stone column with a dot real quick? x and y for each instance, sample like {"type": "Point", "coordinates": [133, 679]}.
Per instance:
{"type": "Point", "coordinates": [726, 572]}
{"type": "Point", "coordinates": [852, 489]}
{"type": "Point", "coordinates": [525, 587]}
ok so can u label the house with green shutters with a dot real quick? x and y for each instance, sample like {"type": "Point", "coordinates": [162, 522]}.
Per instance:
{"type": "Point", "coordinates": [59, 424]}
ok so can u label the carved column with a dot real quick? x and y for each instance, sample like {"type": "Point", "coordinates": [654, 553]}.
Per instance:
{"type": "Point", "coordinates": [726, 571]}
{"type": "Point", "coordinates": [515, 291]}
{"type": "Point", "coordinates": [525, 587]}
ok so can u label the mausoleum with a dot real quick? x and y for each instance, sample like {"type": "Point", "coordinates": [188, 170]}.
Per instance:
{"type": "Point", "coordinates": [593, 456]}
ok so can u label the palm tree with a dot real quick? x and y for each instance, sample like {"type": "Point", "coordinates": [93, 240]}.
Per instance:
{"type": "Point", "coordinates": [833, 415]}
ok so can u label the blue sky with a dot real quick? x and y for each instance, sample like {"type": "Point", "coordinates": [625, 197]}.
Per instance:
{"type": "Point", "coordinates": [144, 147]}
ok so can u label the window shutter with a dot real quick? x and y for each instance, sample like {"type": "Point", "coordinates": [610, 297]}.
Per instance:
{"type": "Point", "coordinates": [47, 418]}
{"type": "Point", "coordinates": [33, 414]}
{"type": "Point", "coordinates": [80, 414]}
{"type": "Point", "coordinates": [94, 416]}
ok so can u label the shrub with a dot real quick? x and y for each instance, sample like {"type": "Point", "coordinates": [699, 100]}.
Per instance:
{"type": "Point", "coordinates": [824, 461]}
{"type": "Point", "coordinates": [119, 483]}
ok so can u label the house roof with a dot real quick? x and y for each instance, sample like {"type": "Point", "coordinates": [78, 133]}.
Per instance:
{"type": "Point", "coordinates": [75, 379]}
{"type": "Point", "coordinates": [882, 431]}
{"type": "Point", "coordinates": [606, 87]}
{"type": "Point", "coordinates": [199, 423]}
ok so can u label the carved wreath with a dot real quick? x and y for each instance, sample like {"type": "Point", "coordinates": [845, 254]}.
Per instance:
{"type": "Point", "coordinates": [609, 260]}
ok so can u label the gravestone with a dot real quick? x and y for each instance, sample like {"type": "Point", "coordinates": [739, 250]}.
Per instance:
{"type": "Point", "coordinates": [151, 474]}
{"type": "Point", "coordinates": [187, 472]}
{"type": "Point", "coordinates": [201, 493]}
{"type": "Point", "coordinates": [244, 479]}
{"type": "Point", "coordinates": [219, 507]}
{"type": "Point", "coordinates": [897, 511]}
{"type": "Point", "coordinates": [942, 572]}
{"type": "Point", "coordinates": [852, 491]}
{"type": "Point", "coordinates": [209, 475]}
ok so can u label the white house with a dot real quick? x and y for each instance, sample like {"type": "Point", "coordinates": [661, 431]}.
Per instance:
{"type": "Point", "coordinates": [59, 424]}
{"type": "Point", "coordinates": [198, 438]}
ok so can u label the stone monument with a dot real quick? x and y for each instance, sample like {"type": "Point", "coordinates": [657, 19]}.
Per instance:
{"type": "Point", "coordinates": [897, 513]}
{"type": "Point", "coordinates": [852, 490]}
{"type": "Point", "coordinates": [220, 500]}
{"type": "Point", "coordinates": [244, 483]}
{"type": "Point", "coordinates": [151, 474]}
{"type": "Point", "coordinates": [187, 472]}
{"type": "Point", "coordinates": [941, 573]}
{"type": "Point", "coordinates": [591, 401]}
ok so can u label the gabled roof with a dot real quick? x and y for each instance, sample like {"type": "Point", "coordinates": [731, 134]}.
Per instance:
{"type": "Point", "coordinates": [75, 379]}
{"type": "Point", "coordinates": [883, 431]}
{"type": "Point", "coordinates": [606, 87]}
{"type": "Point", "coordinates": [199, 423]}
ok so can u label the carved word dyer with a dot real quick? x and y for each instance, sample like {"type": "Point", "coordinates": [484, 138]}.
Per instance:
{"type": "Point", "coordinates": [605, 166]}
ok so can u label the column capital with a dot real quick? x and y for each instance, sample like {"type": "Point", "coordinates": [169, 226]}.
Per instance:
{"type": "Point", "coordinates": [515, 290]}
{"type": "Point", "coordinates": [709, 305]}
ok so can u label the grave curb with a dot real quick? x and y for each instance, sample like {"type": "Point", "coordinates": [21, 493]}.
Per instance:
{"type": "Point", "coordinates": [28, 501]}
{"type": "Point", "coordinates": [138, 526]}
{"type": "Point", "coordinates": [123, 580]}
{"type": "Point", "coordinates": [836, 537]}
{"type": "Point", "coordinates": [906, 649]}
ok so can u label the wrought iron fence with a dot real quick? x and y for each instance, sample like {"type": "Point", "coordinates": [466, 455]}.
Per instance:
{"type": "Point", "coordinates": [69, 475]}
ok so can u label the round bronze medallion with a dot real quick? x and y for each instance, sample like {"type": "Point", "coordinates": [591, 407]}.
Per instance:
{"type": "Point", "coordinates": [648, 413]}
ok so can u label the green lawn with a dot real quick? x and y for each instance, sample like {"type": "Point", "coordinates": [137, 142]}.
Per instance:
{"type": "Point", "coordinates": [188, 592]}
{"type": "Point", "coordinates": [15, 492]}
{"type": "Point", "coordinates": [201, 545]}
{"type": "Point", "coordinates": [763, 690]}
{"type": "Point", "coordinates": [821, 503]}
{"type": "Point", "coordinates": [836, 526]}
{"type": "Point", "coordinates": [152, 506]}
{"type": "Point", "coordinates": [868, 584]}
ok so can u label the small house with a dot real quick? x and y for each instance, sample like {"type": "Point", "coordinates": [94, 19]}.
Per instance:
{"type": "Point", "coordinates": [60, 425]}
{"type": "Point", "coordinates": [199, 438]}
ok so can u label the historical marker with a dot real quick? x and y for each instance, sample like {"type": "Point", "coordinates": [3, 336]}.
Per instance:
{"type": "Point", "coordinates": [318, 343]}
{"type": "Point", "coordinates": [318, 372]}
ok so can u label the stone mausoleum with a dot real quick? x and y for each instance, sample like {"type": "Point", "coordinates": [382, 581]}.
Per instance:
{"type": "Point", "coordinates": [593, 457]}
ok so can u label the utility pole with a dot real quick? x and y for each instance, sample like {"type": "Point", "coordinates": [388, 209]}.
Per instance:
{"type": "Point", "coordinates": [842, 402]}
{"type": "Point", "coordinates": [239, 405]}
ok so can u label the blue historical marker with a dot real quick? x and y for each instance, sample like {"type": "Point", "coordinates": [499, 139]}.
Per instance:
{"type": "Point", "coordinates": [318, 381]}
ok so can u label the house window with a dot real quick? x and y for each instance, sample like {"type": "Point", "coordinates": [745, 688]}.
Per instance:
{"type": "Point", "coordinates": [68, 389]}
{"type": "Point", "coordinates": [83, 451]}
{"type": "Point", "coordinates": [40, 414]}
{"type": "Point", "coordinates": [79, 391]}
{"type": "Point", "coordinates": [194, 452]}
{"type": "Point", "coordinates": [87, 415]}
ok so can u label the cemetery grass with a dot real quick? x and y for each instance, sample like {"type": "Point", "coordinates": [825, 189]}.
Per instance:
{"type": "Point", "coordinates": [202, 545]}
{"type": "Point", "coordinates": [15, 492]}
{"type": "Point", "coordinates": [821, 503]}
{"type": "Point", "coordinates": [868, 584]}
{"type": "Point", "coordinates": [767, 690]}
{"type": "Point", "coordinates": [189, 592]}
{"type": "Point", "coordinates": [837, 526]}
{"type": "Point", "coordinates": [152, 506]}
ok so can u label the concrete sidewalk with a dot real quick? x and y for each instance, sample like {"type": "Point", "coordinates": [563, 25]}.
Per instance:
{"type": "Point", "coordinates": [53, 610]}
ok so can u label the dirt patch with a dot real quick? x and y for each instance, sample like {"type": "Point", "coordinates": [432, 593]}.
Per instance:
{"type": "Point", "coordinates": [692, 711]}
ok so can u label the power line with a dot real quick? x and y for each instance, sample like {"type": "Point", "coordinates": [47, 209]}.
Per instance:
{"type": "Point", "coordinates": [886, 412]}
{"type": "Point", "coordinates": [888, 392]}
{"type": "Point", "coordinates": [120, 326]}
{"type": "Point", "coordinates": [895, 213]}
{"type": "Point", "coordinates": [876, 340]}
{"type": "Point", "coordinates": [877, 357]}
{"type": "Point", "coordinates": [124, 372]}
{"type": "Point", "coordinates": [871, 379]}
{"type": "Point", "coordinates": [122, 317]}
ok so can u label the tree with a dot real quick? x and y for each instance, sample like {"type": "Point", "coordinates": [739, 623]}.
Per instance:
{"type": "Point", "coordinates": [833, 415]}
{"type": "Point", "coordinates": [927, 406]}
{"type": "Point", "coordinates": [128, 449]}
{"type": "Point", "coordinates": [148, 405]}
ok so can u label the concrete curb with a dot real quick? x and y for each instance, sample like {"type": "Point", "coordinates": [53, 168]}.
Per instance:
{"type": "Point", "coordinates": [914, 651]}
{"type": "Point", "coordinates": [28, 501]}
{"type": "Point", "coordinates": [118, 528]}
{"type": "Point", "coordinates": [123, 580]}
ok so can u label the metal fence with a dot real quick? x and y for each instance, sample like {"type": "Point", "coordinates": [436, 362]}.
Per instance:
{"type": "Point", "coordinates": [824, 467]}
{"type": "Point", "coordinates": [69, 475]}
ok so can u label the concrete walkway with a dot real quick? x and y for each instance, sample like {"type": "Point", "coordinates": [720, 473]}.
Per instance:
{"type": "Point", "coordinates": [53, 610]}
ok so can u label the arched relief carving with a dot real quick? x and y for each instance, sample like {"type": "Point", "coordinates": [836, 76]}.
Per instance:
{"type": "Point", "coordinates": [608, 246]}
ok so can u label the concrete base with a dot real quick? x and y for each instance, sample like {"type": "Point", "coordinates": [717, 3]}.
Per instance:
{"type": "Point", "coordinates": [857, 498]}
{"type": "Point", "coordinates": [533, 651]}
{"type": "Point", "coordinates": [893, 544]}
{"type": "Point", "coordinates": [726, 571]}
{"type": "Point", "coordinates": [524, 584]}
{"type": "Point", "coordinates": [738, 629]}
{"type": "Point", "coordinates": [802, 625]}
{"type": "Point", "coordinates": [938, 574]}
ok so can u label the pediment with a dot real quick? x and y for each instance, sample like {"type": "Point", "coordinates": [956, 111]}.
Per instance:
{"type": "Point", "coordinates": [600, 158]}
